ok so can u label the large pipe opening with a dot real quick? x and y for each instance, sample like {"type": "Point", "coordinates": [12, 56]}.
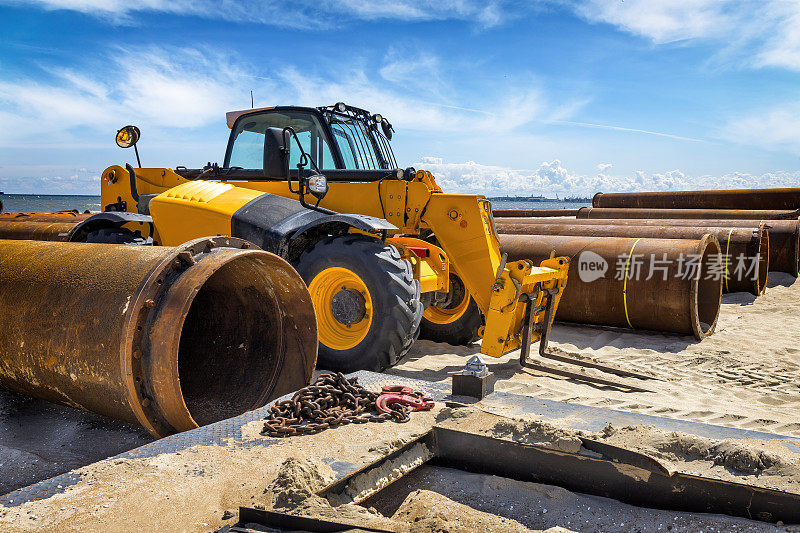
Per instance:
{"type": "Point", "coordinates": [708, 290]}
{"type": "Point", "coordinates": [231, 343]}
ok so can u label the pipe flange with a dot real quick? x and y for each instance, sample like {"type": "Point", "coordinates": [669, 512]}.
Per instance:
{"type": "Point", "coordinates": [136, 354]}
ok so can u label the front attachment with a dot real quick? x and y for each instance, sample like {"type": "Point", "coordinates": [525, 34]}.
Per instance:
{"type": "Point", "coordinates": [522, 290]}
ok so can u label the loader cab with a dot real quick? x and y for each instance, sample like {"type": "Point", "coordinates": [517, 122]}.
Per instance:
{"type": "Point", "coordinates": [336, 137]}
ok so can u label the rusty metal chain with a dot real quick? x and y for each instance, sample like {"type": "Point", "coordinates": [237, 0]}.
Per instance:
{"type": "Point", "coordinates": [332, 400]}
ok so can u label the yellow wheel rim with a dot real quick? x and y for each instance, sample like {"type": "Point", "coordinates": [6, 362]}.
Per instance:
{"type": "Point", "coordinates": [325, 288]}
{"type": "Point", "coordinates": [447, 315]}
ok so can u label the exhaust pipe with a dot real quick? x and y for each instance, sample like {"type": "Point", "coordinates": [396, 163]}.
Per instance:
{"type": "Point", "coordinates": [739, 246]}
{"type": "Point", "coordinates": [609, 286]}
{"type": "Point", "coordinates": [170, 338]}
{"type": "Point", "coordinates": [784, 235]}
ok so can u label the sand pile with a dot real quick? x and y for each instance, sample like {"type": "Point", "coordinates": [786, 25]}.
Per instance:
{"type": "Point", "coordinates": [755, 462]}
{"type": "Point", "coordinates": [430, 511]}
{"type": "Point", "coordinates": [294, 491]}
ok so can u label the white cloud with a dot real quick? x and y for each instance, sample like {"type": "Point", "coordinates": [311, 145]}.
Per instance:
{"type": "Point", "coordinates": [782, 47]}
{"type": "Point", "coordinates": [157, 88]}
{"type": "Point", "coordinates": [486, 12]}
{"type": "Point", "coordinates": [552, 178]}
{"type": "Point", "coordinates": [510, 107]}
{"type": "Point", "coordinates": [758, 33]}
{"type": "Point", "coordinates": [765, 33]}
{"type": "Point", "coordinates": [776, 128]}
{"type": "Point", "coordinates": [419, 68]}
{"type": "Point", "coordinates": [549, 179]}
{"type": "Point", "coordinates": [663, 20]}
{"type": "Point", "coordinates": [308, 14]}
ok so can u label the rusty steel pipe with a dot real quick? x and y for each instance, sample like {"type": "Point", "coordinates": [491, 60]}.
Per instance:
{"type": "Point", "coordinates": [719, 199]}
{"type": "Point", "coordinates": [784, 235]}
{"type": "Point", "coordinates": [502, 213]}
{"type": "Point", "coordinates": [738, 214]}
{"type": "Point", "coordinates": [37, 231]}
{"type": "Point", "coordinates": [665, 302]}
{"type": "Point", "coordinates": [55, 226]}
{"type": "Point", "coordinates": [735, 243]}
{"type": "Point", "coordinates": [170, 338]}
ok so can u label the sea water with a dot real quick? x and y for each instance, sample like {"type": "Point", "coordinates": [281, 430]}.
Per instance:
{"type": "Point", "coordinates": [37, 203]}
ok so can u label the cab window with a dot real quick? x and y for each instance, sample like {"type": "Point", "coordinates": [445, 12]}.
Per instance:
{"type": "Point", "coordinates": [345, 142]}
{"type": "Point", "coordinates": [354, 143]}
{"type": "Point", "coordinates": [247, 150]}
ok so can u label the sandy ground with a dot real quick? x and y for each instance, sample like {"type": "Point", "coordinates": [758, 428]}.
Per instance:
{"type": "Point", "coordinates": [746, 375]}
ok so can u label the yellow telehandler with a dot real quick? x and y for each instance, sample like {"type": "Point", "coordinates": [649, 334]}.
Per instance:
{"type": "Point", "coordinates": [384, 251]}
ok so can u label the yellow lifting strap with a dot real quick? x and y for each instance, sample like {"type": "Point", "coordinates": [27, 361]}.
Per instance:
{"type": "Point", "coordinates": [727, 252]}
{"type": "Point", "coordinates": [625, 284]}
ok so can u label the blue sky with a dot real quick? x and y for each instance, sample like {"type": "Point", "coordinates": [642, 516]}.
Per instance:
{"type": "Point", "coordinates": [539, 97]}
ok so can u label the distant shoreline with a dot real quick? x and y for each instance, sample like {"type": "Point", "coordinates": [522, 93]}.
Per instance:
{"type": "Point", "coordinates": [539, 200]}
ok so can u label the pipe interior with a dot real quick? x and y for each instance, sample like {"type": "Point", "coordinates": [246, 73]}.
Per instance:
{"type": "Point", "coordinates": [709, 290]}
{"type": "Point", "coordinates": [230, 344]}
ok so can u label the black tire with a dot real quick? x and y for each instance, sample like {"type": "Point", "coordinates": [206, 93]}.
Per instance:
{"type": "Point", "coordinates": [461, 332]}
{"type": "Point", "coordinates": [116, 236]}
{"type": "Point", "coordinates": [395, 295]}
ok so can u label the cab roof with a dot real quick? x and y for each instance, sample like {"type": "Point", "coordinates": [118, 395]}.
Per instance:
{"type": "Point", "coordinates": [231, 116]}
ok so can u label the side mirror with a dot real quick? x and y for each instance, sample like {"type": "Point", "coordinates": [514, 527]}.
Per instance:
{"type": "Point", "coordinates": [127, 136]}
{"type": "Point", "coordinates": [276, 152]}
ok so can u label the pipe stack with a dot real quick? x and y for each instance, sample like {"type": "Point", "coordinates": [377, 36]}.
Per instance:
{"type": "Point", "coordinates": [771, 206]}
{"type": "Point", "coordinates": [784, 235]}
{"type": "Point", "coordinates": [170, 338]}
{"type": "Point", "coordinates": [55, 226]}
{"type": "Point", "coordinates": [755, 231]}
